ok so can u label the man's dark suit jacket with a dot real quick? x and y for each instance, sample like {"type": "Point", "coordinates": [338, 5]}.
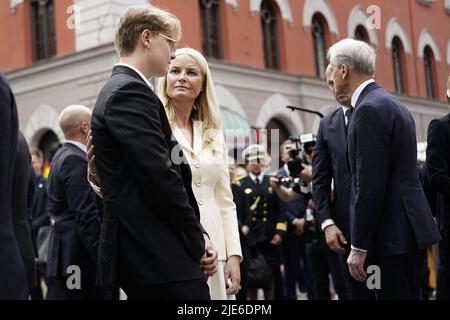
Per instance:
{"type": "Point", "coordinates": [73, 205]}
{"type": "Point", "coordinates": [389, 213]}
{"type": "Point", "coordinates": [39, 215]}
{"type": "Point", "coordinates": [20, 201]}
{"type": "Point", "coordinates": [151, 232]}
{"type": "Point", "coordinates": [438, 166]}
{"type": "Point", "coordinates": [13, 282]}
{"type": "Point", "coordinates": [330, 163]}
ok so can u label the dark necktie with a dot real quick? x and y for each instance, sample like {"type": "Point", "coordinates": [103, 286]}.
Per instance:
{"type": "Point", "coordinates": [348, 115]}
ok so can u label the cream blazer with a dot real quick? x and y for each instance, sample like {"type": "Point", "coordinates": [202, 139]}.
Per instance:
{"type": "Point", "coordinates": [212, 190]}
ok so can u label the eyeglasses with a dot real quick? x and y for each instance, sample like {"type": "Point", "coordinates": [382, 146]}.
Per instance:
{"type": "Point", "coordinates": [172, 42]}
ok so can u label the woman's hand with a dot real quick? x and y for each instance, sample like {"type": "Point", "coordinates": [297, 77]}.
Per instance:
{"type": "Point", "coordinates": [232, 274]}
{"type": "Point", "coordinates": [91, 160]}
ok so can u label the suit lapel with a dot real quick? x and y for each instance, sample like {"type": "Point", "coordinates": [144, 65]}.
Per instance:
{"type": "Point", "coordinates": [198, 137]}
{"type": "Point", "coordinates": [338, 123]}
{"type": "Point", "coordinates": [182, 140]}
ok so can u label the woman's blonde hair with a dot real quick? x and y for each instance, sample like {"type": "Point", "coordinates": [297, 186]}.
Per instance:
{"type": "Point", "coordinates": [206, 106]}
{"type": "Point", "coordinates": [138, 18]}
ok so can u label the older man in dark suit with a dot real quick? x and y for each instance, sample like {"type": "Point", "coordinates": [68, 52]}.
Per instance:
{"type": "Point", "coordinates": [152, 243]}
{"type": "Point", "coordinates": [13, 281]}
{"type": "Point", "coordinates": [72, 205]}
{"type": "Point", "coordinates": [390, 218]}
{"type": "Point", "coordinates": [332, 185]}
{"type": "Point", "coordinates": [438, 168]}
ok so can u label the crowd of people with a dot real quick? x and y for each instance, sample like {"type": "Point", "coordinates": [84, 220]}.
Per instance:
{"type": "Point", "coordinates": [142, 200]}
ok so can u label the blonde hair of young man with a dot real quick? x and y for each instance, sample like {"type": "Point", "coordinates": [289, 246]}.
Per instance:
{"type": "Point", "coordinates": [136, 19]}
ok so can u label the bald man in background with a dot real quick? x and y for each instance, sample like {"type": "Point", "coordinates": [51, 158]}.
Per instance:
{"type": "Point", "coordinates": [73, 208]}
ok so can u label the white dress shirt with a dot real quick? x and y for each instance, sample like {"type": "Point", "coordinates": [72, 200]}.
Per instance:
{"type": "Point", "coordinates": [253, 177]}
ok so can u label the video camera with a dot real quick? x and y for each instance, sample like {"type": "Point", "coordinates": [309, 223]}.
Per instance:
{"type": "Point", "coordinates": [297, 155]}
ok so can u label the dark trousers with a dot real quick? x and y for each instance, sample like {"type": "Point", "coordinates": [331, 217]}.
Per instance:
{"type": "Point", "coordinates": [183, 290]}
{"type": "Point", "coordinates": [324, 262]}
{"type": "Point", "coordinates": [443, 272]}
{"type": "Point", "coordinates": [295, 267]}
{"type": "Point", "coordinates": [401, 276]}
{"type": "Point", "coordinates": [57, 290]}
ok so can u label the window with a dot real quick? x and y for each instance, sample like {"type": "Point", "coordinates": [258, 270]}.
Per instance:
{"type": "Point", "coordinates": [43, 29]}
{"type": "Point", "coordinates": [283, 133]}
{"type": "Point", "coordinates": [397, 55]}
{"type": "Point", "coordinates": [270, 34]}
{"type": "Point", "coordinates": [210, 22]}
{"type": "Point", "coordinates": [361, 34]}
{"type": "Point", "coordinates": [318, 33]}
{"type": "Point", "coordinates": [428, 61]}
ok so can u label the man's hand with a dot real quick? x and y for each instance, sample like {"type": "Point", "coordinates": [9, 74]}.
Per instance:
{"type": "Point", "coordinates": [232, 275]}
{"type": "Point", "coordinates": [91, 160]}
{"type": "Point", "coordinates": [276, 240]}
{"type": "Point", "coordinates": [275, 182]}
{"type": "Point", "coordinates": [208, 261]}
{"type": "Point", "coordinates": [245, 230]}
{"type": "Point", "coordinates": [334, 238]}
{"type": "Point", "coordinates": [306, 173]}
{"type": "Point", "coordinates": [355, 263]}
{"type": "Point", "coordinates": [299, 226]}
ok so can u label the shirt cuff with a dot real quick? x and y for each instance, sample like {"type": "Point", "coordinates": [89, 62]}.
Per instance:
{"type": "Point", "coordinates": [326, 223]}
{"type": "Point", "coordinates": [358, 249]}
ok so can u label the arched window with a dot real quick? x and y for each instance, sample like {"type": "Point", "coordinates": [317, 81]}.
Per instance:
{"type": "Point", "coordinates": [361, 34]}
{"type": "Point", "coordinates": [210, 23]}
{"type": "Point", "coordinates": [283, 132]}
{"type": "Point", "coordinates": [397, 61]}
{"type": "Point", "coordinates": [43, 29]}
{"type": "Point", "coordinates": [270, 34]}
{"type": "Point", "coordinates": [428, 61]}
{"type": "Point", "coordinates": [320, 45]}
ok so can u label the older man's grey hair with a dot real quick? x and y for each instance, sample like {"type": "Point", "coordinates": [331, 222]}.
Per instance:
{"type": "Point", "coordinates": [357, 55]}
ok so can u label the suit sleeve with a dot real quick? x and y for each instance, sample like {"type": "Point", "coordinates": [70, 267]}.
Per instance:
{"type": "Point", "coordinates": [371, 143]}
{"type": "Point", "coordinates": [133, 118]}
{"type": "Point", "coordinates": [437, 157]}
{"type": "Point", "coordinates": [82, 202]}
{"type": "Point", "coordinates": [322, 176]}
{"type": "Point", "coordinates": [224, 196]}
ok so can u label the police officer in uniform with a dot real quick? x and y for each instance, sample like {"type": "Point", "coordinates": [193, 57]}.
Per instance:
{"type": "Point", "coordinates": [266, 226]}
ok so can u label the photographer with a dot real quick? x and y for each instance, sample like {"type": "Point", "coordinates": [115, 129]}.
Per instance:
{"type": "Point", "coordinates": [321, 259]}
{"type": "Point", "coordinates": [296, 269]}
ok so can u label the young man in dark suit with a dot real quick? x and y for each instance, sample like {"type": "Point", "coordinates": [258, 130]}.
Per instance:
{"type": "Point", "coordinates": [438, 169]}
{"type": "Point", "coordinates": [20, 205]}
{"type": "Point", "coordinates": [72, 205]}
{"type": "Point", "coordinates": [13, 281]}
{"type": "Point", "coordinates": [391, 223]}
{"type": "Point", "coordinates": [152, 244]}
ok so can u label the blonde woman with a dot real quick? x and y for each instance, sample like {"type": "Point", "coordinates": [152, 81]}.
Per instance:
{"type": "Point", "coordinates": [187, 93]}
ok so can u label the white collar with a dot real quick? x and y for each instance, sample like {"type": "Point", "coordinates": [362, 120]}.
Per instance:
{"type": "Point", "coordinates": [78, 144]}
{"type": "Point", "coordinates": [138, 72]}
{"type": "Point", "coordinates": [286, 168]}
{"type": "Point", "coordinates": [253, 177]}
{"type": "Point", "coordinates": [344, 109]}
{"type": "Point", "coordinates": [358, 91]}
